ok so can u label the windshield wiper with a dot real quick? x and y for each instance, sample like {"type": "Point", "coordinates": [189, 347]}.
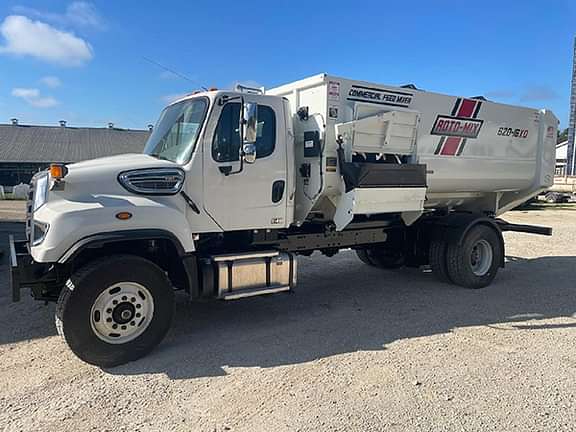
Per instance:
{"type": "Point", "coordinates": [157, 156]}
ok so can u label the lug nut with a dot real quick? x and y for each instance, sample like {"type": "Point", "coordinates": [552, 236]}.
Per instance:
{"type": "Point", "coordinates": [124, 298]}
{"type": "Point", "coordinates": [109, 310]}
{"type": "Point", "coordinates": [114, 326]}
{"type": "Point", "coordinates": [133, 299]}
{"type": "Point", "coordinates": [114, 302]}
{"type": "Point", "coordinates": [138, 306]}
{"type": "Point", "coordinates": [138, 315]}
{"type": "Point", "coordinates": [108, 319]}
{"type": "Point", "coordinates": [123, 327]}
{"type": "Point", "coordinates": [133, 323]}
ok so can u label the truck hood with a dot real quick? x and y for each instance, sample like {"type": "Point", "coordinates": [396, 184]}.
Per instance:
{"type": "Point", "coordinates": [121, 163]}
{"type": "Point", "coordinates": [100, 176]}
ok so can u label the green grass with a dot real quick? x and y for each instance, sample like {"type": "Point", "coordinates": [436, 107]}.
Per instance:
{"type": "Point", "coordinates": [10, 197]}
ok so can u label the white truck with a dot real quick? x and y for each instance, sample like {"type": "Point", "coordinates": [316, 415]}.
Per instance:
{"type": "Point", "coordinates": [234, 185]}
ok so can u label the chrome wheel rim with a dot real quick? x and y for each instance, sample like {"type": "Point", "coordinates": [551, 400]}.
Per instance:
{"type": "Point", "coordinates": [481, 257]}
{"type": "Point", "coordinates": [122, 312]}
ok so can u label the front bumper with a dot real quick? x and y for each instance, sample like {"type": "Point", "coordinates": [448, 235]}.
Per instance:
{"type": "Point", "coordinates": [17, 250]}
{"type": "Point", "coordinates": [41, 278]}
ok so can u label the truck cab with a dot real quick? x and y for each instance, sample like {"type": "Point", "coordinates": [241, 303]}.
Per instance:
{"type": "Point", "coordinates": [235, 151]}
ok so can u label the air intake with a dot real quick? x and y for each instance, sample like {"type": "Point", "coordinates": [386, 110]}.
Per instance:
{"type": "Point", "coordinates": [153, 181]}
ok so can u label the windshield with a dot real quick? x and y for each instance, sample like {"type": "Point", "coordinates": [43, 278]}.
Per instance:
{"type": "Point", "coordinates": [176, 132]}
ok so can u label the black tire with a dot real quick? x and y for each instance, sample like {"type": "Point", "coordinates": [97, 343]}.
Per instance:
{"type": "Point", "coordinates": [363, 255]}
{"type": "Point", "coordinates": [381, 258]}
{"type": "Point", "coordinates": [460, 258]}
{"type": "Point", "coordinates": [438, 261]}
{"type": "Point", "coordinates": [73, 311]}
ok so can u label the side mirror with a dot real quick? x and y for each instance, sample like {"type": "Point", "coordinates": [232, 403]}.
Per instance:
{"type": "Point", "coordinates": [250, 122]}
{"type": "Point", "coordinates": [249, 153]}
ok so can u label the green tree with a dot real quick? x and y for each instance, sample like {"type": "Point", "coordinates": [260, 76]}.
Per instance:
{"type": "Point", "coordinates": [562, 136]}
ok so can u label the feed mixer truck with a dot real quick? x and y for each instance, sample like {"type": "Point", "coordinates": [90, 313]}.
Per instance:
{"type": "Point", "coordinates": [234, 185]}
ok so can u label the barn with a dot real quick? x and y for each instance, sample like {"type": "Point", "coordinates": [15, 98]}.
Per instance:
{"type": "Point", "coordinates": [26, 149]}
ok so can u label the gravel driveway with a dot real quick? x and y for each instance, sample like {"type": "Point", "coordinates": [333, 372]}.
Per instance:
{"type": "Point", "coordinates": [353, 349]}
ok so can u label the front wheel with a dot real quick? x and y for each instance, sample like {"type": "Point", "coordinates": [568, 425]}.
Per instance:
{"type": "Point", "coordinates": [115, 310]}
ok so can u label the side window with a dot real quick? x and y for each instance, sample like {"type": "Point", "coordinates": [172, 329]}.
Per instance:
{"type": "Point", "coordinates": [266, 132]}
{"type": "Point", "coordinates": [226, 144]}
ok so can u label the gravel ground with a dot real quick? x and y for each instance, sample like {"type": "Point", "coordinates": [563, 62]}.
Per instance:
{"type": "Point", "coordinates": [353, 349]}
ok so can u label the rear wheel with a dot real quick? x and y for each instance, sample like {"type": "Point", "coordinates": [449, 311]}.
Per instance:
{"type": "Point", "coordinates": [115, 310]}
{"type": "Point", "coordinates": [438, 261]}
{"type": "Point", "coordinates": [381, 258]}
{"type": "Point", "coordinates": [363, 255]}
{"type": "Point", "coordinates": [474, 262]}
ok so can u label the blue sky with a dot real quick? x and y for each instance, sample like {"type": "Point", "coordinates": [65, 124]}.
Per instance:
{"type": "Point", "coordinates": [84, 62]}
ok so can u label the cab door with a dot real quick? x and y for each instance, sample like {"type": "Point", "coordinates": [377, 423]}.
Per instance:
{"type": "Point", "coordinates": [241, 195]}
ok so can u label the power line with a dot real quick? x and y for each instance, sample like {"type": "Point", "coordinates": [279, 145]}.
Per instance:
{"type": "Point", "coordinates": [178, 74]}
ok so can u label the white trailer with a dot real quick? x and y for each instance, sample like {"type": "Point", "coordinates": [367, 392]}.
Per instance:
{"type": "Point", "coordinates": [234, 185]}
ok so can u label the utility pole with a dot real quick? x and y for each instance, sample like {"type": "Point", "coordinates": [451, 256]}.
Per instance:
{"type": "Point", "coordinates": [571, 153]}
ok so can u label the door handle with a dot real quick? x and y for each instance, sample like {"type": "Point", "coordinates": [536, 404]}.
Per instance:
{"type": "Point", "coordinates": [226, 170]}
{"type": "Point", "coordinates": [278, 190]}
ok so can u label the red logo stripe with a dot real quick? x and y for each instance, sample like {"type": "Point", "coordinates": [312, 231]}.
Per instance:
{"type": "Point", "coordinates": [450, 146]}
{"type": "Point", "coordinates": [467, 108]}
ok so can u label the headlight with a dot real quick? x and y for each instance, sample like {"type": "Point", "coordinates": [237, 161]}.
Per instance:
{"type": "Point", "coordinates": [39, 231]}
{"type": "Point", "coordinates": [40, 192]}
{"type": "Point", "coordinates": [153, 181]}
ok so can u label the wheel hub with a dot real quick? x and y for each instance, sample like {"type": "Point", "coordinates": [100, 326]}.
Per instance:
{"type": "Point", "coordinates": [122, 312]}
{"type": "Point", "coordinates": [481, 257]}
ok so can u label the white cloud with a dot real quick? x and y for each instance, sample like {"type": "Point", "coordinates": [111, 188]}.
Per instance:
{"type": "Point", "coordinates": [34, 97]}
{"type": "Point", "coordinates": [78, 14]}
{"type": "Point", "coordinates": [84, 14]}
{"type": "Point", "coordinates": [51, 81]}
{"type": "Point", "coordinates": [37, 39]}
{"type": "Point", "coordinates": [173, 97]}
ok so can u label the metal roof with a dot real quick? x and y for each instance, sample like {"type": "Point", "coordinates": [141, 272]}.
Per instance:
{"type": "Point", "coordinates": [27, 143]}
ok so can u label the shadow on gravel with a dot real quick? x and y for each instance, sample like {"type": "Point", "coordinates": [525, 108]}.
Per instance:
{"type": "Point", "coordinates": [340, 306]}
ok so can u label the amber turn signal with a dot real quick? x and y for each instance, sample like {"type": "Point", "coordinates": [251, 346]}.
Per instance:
{"type": "Point", "coordinates": [58, 171]}
{"type": "Point", "coordinates": [123, 215]}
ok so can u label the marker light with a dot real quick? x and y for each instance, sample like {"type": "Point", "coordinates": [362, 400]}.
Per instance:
{"type": "Point", "coordinates": [58, 171]}
{"type": "Point", "coordinates": [123, 215]}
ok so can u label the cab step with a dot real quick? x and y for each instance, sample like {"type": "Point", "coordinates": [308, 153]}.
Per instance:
{"type": "Point", "coordinates": [234, 295]}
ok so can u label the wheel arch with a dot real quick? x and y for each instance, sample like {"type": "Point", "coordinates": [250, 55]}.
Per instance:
{"type": "Point", "coordinates": [101, 239]}
{"type": "Point", "coordinates": [145, 243]}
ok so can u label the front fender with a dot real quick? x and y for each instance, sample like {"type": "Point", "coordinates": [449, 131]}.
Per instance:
{"type": "Point", "coordinates": [72, 222]}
